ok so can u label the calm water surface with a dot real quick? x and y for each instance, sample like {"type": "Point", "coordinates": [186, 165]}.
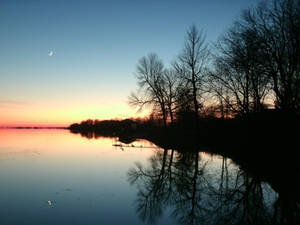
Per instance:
{"type": "Point", "coordinates": [55, 177]}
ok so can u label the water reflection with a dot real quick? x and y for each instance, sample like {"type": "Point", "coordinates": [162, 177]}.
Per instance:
{"type": "Point", "coordinates": [88, 178]}
{"type": "Point", "coordinates": [84, 180]}
{"type": "Point", "coordinates": [194, 189]}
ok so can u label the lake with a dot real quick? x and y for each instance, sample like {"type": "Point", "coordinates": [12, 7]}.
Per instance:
{"type": "Point", "coordinates": [56, 177]}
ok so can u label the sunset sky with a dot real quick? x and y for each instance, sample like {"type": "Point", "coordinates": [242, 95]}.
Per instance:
{"type": "Point", "coordinates": [64, 61]}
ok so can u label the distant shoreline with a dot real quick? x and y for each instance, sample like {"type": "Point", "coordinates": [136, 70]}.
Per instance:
{"type": "Point", "coordinates": [33, 128]}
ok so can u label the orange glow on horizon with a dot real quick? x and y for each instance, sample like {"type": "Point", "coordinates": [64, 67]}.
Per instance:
{"type": "Point", "coordinates": [60, 114]}
{"type": "Point", "coordinates": [61, 145]}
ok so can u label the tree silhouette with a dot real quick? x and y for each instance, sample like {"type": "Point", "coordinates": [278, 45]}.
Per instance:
{"type": "Point", "coordinates": [191, 64]}
{"type": "Point", "coordinates": [238, 79]}
{"type": "Point", "coordinates": [260, 51]}
{"type": "Point", "coordinates": [151, 82]}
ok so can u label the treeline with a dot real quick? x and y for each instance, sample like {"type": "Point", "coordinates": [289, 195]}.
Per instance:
{"type": "Point", "coordinates": [254, 66]}
{"type": "Point", "coordinates": [91, 128]}
{"type": "Point", "coordinates": [109, 126]}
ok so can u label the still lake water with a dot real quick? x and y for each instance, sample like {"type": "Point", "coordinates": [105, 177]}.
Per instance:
{"type": "Point", "coordinates": [56, 177]}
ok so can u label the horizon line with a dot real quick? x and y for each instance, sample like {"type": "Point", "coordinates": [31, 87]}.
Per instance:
{"type": "Point", "coordinates": [34, 127]}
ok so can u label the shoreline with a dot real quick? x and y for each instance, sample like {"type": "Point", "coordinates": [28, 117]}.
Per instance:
{"type": "Point", "coordinates": [34, 127]}
{"type": "Point", "coordinates": [264, 145]}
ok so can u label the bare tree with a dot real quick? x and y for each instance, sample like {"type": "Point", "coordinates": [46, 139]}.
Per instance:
{"type": "Point", "coordinates": [239, 78]}
{"type": "Point", "coordinates": [276, 26]}
{"type": "Point", "coordinates": [260, 52]}
{"type": "Point", "coordinates": [237, 86]}
{"type": "Point", "coordinates": [171, 90]}
{"type": "Point", "coordinates": [191, 64]}
{"type": "Point", "coordinates": [151, 82]}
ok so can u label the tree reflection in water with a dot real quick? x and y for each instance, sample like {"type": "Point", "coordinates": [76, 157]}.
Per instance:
{"type": "Point", "coordinates": [197, 190]}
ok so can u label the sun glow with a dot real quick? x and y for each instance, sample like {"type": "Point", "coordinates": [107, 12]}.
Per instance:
{"type": "Point", "coordinates": [60, 114]}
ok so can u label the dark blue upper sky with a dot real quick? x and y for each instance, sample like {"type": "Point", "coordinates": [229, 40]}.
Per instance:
{"type": "Point", "coordinates": [96, 44]}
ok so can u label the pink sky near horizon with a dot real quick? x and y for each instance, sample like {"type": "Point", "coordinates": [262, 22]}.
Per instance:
{"type": "Point", "coordinates": [62, 113]}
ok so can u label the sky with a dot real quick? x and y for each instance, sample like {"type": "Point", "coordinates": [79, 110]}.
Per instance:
{"type": "Point", "coordinates": [63, 61]}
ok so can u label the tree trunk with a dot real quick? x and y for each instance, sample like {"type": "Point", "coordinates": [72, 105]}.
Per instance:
{"type": "Point", "coordinates": [195, 98]}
